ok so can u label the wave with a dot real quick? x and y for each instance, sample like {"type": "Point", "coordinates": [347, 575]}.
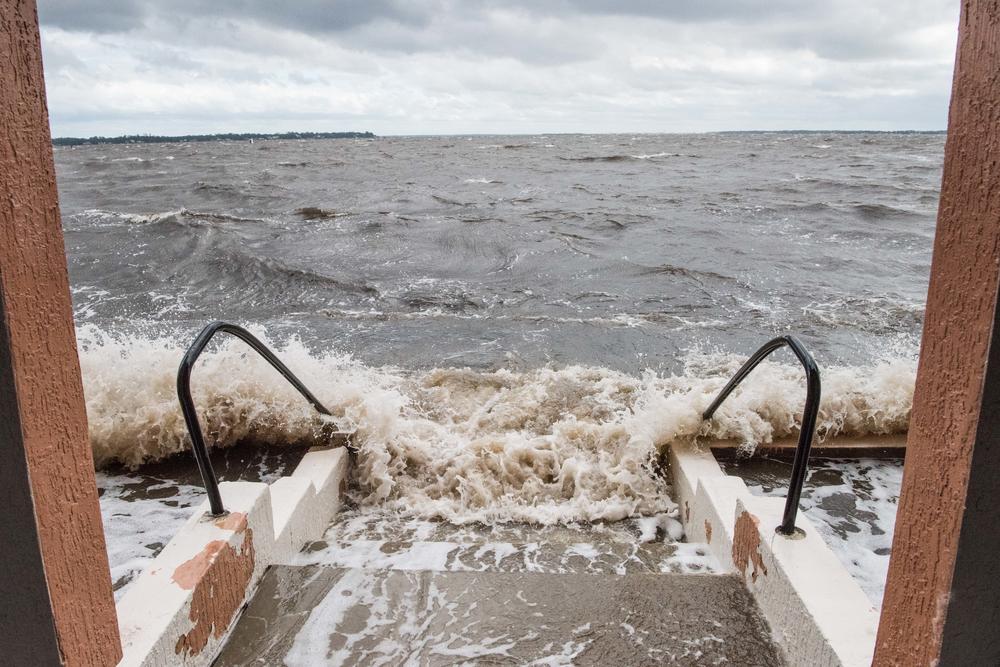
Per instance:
{"type": "Point", "coordinates": [863, 211]}
{"type": "Point", "coordinates": [434, 310]}
{"type": "Point", "coordinates": [876, 314]}
{"type": "Point", "coordinates": [652, 156]}
{"type": "Point", "coordinates": [624, 157]}
{"type": "Point", "coordinates": [549, 445]}
{"type": "Point", "coordinates": [879, 211]}
{"type": "Point", "coordinates": [262, 272]}
{"type": "Point", "coordinates": [680, 271]}
{"type": "Point", "coordinates": [451, 202]}
{"type": "Point", "coordinates": [120, 217]}
{"type": "Point", "coordinates": [599, 158]}
{"type": "Point", "coordinates": [506, 146]}
{"type": "Point", "coordinates": [227, 188]}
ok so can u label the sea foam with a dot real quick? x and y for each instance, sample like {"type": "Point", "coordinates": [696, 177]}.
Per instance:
{"type": "Point", "coordinates": [549, 445]}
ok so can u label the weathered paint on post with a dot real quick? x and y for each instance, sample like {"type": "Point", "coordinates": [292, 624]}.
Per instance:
{"type": "Point", "coordinates": [951, 458]}
{"type": "Point", "coordinates": [56, 603]}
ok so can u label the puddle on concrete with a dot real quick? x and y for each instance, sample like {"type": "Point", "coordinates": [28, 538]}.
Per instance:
{"type": "Point", "coordinates": [143, 508]}
{"type": "Point", "coordinates": [852, 502]}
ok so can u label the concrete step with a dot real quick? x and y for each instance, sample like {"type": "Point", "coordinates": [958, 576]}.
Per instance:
{"type": "Point", "coordinates": [316, 615]}
{"type": "Point", "coordinates": [379, 524]}
{"type": "Point", "coordinates": [385, 540]}
{"type": "Point", "coordinates": [545, 557]}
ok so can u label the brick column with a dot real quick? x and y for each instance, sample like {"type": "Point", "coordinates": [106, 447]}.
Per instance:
{"type": "Point", "coordinates": [56, 605]}
{"type": "Point", "coordinates": [942, 600]}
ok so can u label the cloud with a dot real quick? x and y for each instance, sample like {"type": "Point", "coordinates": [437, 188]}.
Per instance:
{"type": "Point", "coordinates": [312, 16]}
{"type": "Point", "coordinates": [430, 66]}
{"type": "Point", "coordinates": [100, 17]}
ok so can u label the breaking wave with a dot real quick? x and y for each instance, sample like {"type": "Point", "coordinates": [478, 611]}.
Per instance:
{"type": "Point", "coordinates": [550, 445]}
{"type": "Point", "coordinates": [624, 157]}
{"type": "Point", "coordinates": [101, 216]}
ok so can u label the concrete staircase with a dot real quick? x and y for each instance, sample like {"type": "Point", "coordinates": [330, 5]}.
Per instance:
{"type": "Point", "coordinates": [379, 589]}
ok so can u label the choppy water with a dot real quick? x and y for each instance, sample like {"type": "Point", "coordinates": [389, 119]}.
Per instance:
{"type": "Point", "coordinates": [514, 324]}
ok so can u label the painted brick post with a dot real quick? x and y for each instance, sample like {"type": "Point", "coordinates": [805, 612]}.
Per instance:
{"type": "Point", "coordinates": [56, 604]}
{"type": "Point", "coordinates": [942, 599]}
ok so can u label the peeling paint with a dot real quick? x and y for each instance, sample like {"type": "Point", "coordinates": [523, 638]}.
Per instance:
{"type": "Point", "coordinates": [746, 546]}
{"type": "Point", "coordinates": [235, 521]}
{"type": "Point", "coordinates": [188, 574]}
{"type": "Point", "coordinates": [219, 576]}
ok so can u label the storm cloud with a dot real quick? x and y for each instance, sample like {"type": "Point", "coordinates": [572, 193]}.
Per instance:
{"type": "Point", "coordinates": [464, 66]}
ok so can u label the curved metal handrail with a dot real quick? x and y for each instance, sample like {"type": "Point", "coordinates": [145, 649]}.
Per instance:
{"type": "Point", "coordinates": [208, 475]}
{"type": "Point", "coordinates": [801, 462]}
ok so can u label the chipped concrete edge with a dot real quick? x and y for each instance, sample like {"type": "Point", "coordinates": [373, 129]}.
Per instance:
{"type": "Point", "coordinates": [180, 609]}
{"type": "Point", "coordinates": [817, 611]}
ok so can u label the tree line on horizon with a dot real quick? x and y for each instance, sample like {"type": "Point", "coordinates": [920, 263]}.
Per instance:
{"type": "Point", "coordinates": [225, 136]}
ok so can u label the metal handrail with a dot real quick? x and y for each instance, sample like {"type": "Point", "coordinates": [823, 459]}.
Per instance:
{"type": "Point", "coordinates": [801, 462]}
{"type": "Point", "coordinates": [208, 475]}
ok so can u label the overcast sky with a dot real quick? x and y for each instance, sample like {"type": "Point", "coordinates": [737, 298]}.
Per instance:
{"type": "Point", "coordinates": [482, 66]}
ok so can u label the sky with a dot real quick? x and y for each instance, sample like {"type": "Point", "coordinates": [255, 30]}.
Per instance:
{"type": "Point", "coordinates": [487, 67]}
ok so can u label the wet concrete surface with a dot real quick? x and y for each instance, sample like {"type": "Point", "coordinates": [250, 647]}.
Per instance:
{"type": "Point", "coordinates": [372, 523]}
{"type": "Point", "coordinates": [391, 589]}
{"type": "Point", "coordinates": [843, 488]}
{"type": "Point", "coordinates": [552, 558]}
{"type": "Point", "coordinates": [373, 539]}
{"type": "Point", "coordinates": [852, 502]}
{"type": "Point", "coordinates": [315, 615]}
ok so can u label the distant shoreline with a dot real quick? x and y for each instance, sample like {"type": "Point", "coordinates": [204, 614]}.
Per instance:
{"type": "Point", "coordinates": [186, 138]}
{"type": "Point", "coordinates": [247, 136]}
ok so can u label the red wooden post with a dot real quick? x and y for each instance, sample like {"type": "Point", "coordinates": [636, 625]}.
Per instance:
{"type": "Point", "coordinates": [942, 599]}
{"type": "Point", "coordinates": [56, 604]}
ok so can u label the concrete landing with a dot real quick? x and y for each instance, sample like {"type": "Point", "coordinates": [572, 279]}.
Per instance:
{"type": "Point", "coordinates": [316, 614]}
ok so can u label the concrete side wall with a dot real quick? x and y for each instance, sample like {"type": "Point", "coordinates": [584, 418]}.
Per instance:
{"type": "Point", "coordinates": [55, 579]}
{"type": "Point", "coordinates": [817, 612]}
{"type": "Point", "coordinates": [950, 377]}
{"type": "Point", "coordinates": [183, 606]}
{"type": "Point", "coordinates": [179, 610]}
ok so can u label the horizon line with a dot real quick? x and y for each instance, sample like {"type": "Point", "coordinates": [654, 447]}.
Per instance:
{"type": "Point", "coordinates": [489, 134]}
